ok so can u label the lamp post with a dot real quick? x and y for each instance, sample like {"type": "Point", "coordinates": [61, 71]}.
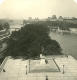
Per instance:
{"type": "Point", "coordinates": [26, 69]}
{"type": "Point", "coordinates": [63, 69]}
{"type": "Point", "coordinates": [46, 77]}
{"type": "Point", "coordinates": [29, 65]}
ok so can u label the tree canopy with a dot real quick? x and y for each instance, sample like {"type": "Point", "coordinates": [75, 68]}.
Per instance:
{"type": "Point", "coordinates": [31, 40]}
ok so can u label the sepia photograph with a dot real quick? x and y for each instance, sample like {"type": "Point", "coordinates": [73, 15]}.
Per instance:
{"type": "Point", "coordinates": [38, 39]}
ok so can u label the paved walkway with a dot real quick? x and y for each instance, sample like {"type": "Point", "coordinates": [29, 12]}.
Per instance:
{"type": "Point", "coordinates": [16, 70]}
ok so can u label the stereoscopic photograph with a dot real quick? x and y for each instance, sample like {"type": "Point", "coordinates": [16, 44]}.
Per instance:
{"type": "Point", "coordinates": [38, 39]}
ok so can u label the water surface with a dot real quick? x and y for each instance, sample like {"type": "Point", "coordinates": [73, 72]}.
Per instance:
{"type": "Point", "coordinates": [68, 42]}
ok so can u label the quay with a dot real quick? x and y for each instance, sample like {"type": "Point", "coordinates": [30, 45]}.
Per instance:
{"type": "Point", "coordinates": [18, 69]}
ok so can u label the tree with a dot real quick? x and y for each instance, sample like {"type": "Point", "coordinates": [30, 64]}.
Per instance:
{"type": "Point", "coordinates": [1, 27]}
{"type": "Point", "coordinates": [29, 40]}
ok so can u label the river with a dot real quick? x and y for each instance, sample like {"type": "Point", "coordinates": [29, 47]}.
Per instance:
{"type": "Point", "coordinates": [68, 42]}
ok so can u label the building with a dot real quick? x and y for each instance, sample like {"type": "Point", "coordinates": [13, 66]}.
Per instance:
{"type": "Point", "coordinates": [53, 18]}
{"type": "Point", "coordinates": [60, 18]}
{"type": "Point", "coordinates": [74, 21]}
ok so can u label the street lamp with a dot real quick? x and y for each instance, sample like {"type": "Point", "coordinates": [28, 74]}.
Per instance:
{"type": "Point", "coordinates": [26, 69]}
{"type": "Point", "coordinates": [46, 77]}
{"type": "Point", "coordinates": [63, 69]}
{"type": "Point", "coordinates": [29, 65]}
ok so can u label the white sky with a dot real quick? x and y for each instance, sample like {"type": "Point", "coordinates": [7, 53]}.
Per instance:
{"type": "Point", "coordinates": [37, 8]}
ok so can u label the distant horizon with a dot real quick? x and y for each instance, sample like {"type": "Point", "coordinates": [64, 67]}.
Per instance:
{"type": "Point", "coordinates": [36, 17]}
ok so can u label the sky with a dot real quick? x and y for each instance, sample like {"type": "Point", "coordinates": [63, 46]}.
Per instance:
{"type": "Point", "coordinates": [22, 9]}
